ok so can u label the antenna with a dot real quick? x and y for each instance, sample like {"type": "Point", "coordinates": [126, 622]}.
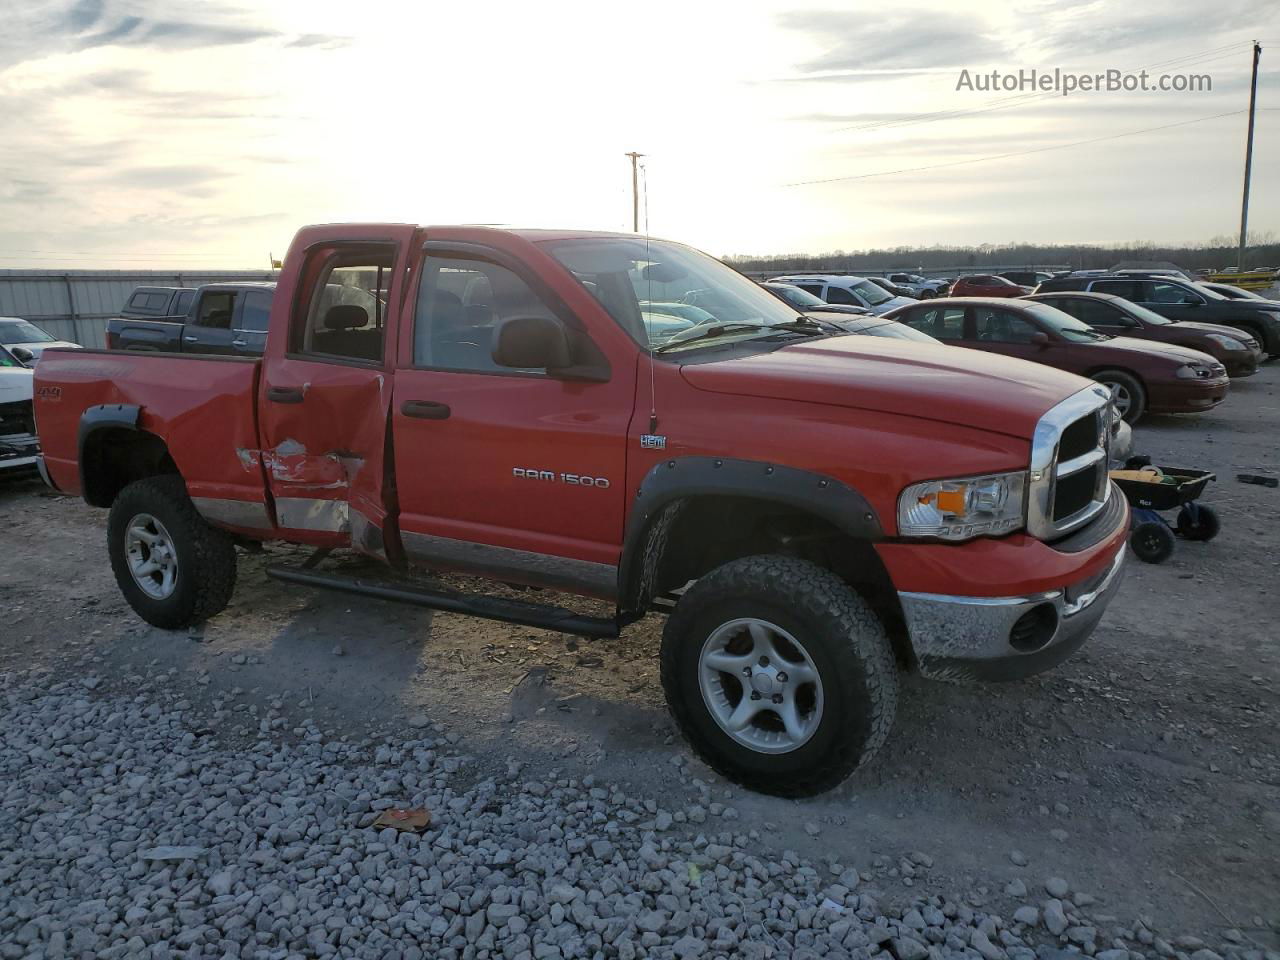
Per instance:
{"type": "Point", "coordinates": [653, 393]}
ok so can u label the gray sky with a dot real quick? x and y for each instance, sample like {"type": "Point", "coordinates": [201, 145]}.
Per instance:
{"type": "Point", "coordinates": [136, 133]}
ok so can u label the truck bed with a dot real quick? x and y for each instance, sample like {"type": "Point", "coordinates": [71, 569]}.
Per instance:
{"type": "Point", "coordinates": [150, 334]}
{"type": "Point", "coordinates": [204, 407]}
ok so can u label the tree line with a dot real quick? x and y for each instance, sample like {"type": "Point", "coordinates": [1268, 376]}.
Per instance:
{"type": "Point", "coordinates": [1220, 252]}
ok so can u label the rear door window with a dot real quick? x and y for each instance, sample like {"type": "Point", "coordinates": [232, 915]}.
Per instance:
{"type": "Point", "coordinates": [939, 322]}
{"type": "Point", "coordinates": [216, 309]}
{"type": "Point", "coordinates": [182, 304]}
{"type": "Point", "coordinates": [1125, 289]}
{"type": "Point", "coordinates": [1002, 326]}
{"type": "Point", "coordinates": [841, 295]}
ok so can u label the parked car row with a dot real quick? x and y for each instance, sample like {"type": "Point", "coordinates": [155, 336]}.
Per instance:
{"type": "Point", "coordinates": [1141, 334]}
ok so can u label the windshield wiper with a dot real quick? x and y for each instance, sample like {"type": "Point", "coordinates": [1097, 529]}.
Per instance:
{"type": "Point", "coordinates": [802, 325]}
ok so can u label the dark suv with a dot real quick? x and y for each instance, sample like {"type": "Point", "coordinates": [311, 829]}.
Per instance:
{"type": "Point", "coordinates": [1180, 299]}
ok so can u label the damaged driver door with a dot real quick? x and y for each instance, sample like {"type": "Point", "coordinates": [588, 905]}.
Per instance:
{"type": "Point", "coordinates": [326, 389]}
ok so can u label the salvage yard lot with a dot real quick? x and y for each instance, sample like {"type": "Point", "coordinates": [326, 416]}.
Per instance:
{"type": "Point", "coordinates": [1145, 771]}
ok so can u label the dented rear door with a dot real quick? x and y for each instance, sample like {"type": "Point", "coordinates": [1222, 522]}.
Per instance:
{"type": "Point", "coordinates": [325, 393]}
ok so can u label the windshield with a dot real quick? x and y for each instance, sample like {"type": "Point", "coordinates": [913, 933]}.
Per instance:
{"type": "Point", "coordinates": [1207, 291]}
{"type": "Point", "coordinates": [873, 293]}
{"type": "Point", "coordinates": [1065, 325]}
{"type": "Point", "coordinates": [800, 299]}
{"type": "Point", "coordinates": [19, 331]}
{"type": "Point", "coordinates": [1147, 315]}
{"type": "Point", "coordinates": [659, 291]}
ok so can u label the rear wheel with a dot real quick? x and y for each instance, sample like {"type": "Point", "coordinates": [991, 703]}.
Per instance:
{"type": "Point", "coordinates": [1152, 541]}
{"type": "Point", "coordinates": [173, 568]}
{"type": "Point", "coordinates": [779, 675]}
{"type": "Point", "coordinates": [1126, 391]}
{"type": "Point", "coordinates": [1198, 522]}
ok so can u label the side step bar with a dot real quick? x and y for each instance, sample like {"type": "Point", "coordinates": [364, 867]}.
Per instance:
{"type": "Point", "coordinates": [476, 605]}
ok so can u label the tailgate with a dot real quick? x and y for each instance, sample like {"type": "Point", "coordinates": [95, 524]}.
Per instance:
{"type": "Point", "coordinates": [202, 407]}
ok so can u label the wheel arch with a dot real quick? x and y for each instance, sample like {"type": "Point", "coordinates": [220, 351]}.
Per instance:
{"type": "Point", "coordinates": [693, 514]}
{"type": "Point", "coordinates": [114, 452]}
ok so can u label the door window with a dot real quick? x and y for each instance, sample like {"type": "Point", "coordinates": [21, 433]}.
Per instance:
{"type": "Point", "coordinates": [1125, 289]}
{"type": "Point", "coordinates": [256, 311]}
{"type": "Point", "coordinates": [183, 303]}
{"type": "Point", "coordinates": [344, 315]}
{"type": "Point", "coordinates": [841, 295]}
{"type": "Point", "coordinates": [461, 302]}
{"type": "Point", "coordinates": [814, 288]}
{"type": "Point", "coordinates": [1097, 314]}
{"type": "Point", "coordinates": [216, 309]}
{"type": "Point", "coordinates": [1172, 293]}
{"type": "Point", "coordinates": [942, 324]}
{"type": "Point", "coordinates": [1001, 326]}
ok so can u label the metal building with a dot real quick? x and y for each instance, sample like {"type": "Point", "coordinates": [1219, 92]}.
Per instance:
{"type": "Point", "coordinates": [75, 304]}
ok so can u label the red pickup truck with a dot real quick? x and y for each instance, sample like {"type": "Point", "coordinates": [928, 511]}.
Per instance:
{"type": "Point", "coordinates": [814, 510]}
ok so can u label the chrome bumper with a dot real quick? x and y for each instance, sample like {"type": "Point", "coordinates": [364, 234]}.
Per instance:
{"type": "Point", "coordinates": [969, 638]}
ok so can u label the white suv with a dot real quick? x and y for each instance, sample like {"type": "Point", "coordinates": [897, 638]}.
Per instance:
{"type": "Point", "coordinates": [857, 291]}
{"type": "Point", "coordinates": [917, 285]}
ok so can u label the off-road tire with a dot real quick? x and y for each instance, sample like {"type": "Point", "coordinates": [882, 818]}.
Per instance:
{"type": "Point", "coordinates": [1152, 541]}
{"type": "Point", "coordinates": [841, 633]}
{"type": "Point", "coordinates": [206, 573]}
{"type": "Point", "coordinates": [1131, 384]}
{"type": "Point", "coordinates": [1203, 527]}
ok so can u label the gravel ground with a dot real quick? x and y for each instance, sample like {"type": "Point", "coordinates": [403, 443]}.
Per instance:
{"type": "Point", "coordinates": [212, 793]}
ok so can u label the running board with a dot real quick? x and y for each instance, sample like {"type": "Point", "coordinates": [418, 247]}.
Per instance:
{"type": "Point", "coordinates": [477, 605]}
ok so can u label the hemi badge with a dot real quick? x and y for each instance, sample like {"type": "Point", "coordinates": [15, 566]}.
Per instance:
{"type": "Point", "coordinates": [650, 441]}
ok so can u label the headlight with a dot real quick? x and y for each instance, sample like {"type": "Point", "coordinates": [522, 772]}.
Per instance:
{"type": "Point", "coordinates": [1193, 371]}
{"type": "Point", "coordinates": [964, 508]}
{"type": "Point", "coordinates": [1225, 342]}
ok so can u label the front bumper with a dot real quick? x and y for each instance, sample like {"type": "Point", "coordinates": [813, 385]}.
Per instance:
{"type": "Point", "coordinates": [1241, 363]}
{"type": "Point", "coordinates": [1187, 396]}
{"type": "Point", "coordinates": [1006, 638]}
{"type": "Point", "coordinates": [18, 451]}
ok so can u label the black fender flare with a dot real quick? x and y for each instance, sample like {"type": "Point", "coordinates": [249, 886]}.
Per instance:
{"type": "Point", "coordinates": [104, 416]}
{"type": "Point", "coordinates": [671, 482]}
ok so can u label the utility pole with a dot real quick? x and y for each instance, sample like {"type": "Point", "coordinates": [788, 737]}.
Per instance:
{"type": "Point", "coordinates": [635, 180]}
{"type": "Point", "coordinates": [1248, 157]}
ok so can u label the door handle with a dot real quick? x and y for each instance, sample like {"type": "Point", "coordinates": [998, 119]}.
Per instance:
{"type": "Point", "coordinates": [239, 343]}
{"type": "Point", "coordinates": [425, 410]}
{"type": "Point", "coordinates": [285, 394]}
{"type": "Point", "coordinates": [190, 339]}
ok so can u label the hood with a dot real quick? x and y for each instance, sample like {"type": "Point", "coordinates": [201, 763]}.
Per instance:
{"type": "Point", "coordinates": [842, 308]}
{"type": "Point", "coordinates": [1195, 326]}
{"type": "Point", "coordinates": [1176, 353]}
{"type": "Point", "coordinates": [932, 382]}
{"type": "Point", "coordinates": [41, 346]}
{"type": "Point", "coordinates": [892, 304]}
{"type": "Point", "coordinates": [15, 384]}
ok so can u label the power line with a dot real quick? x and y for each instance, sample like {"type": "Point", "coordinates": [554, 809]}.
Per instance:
{"type": "Point", "coordinates": [1020, 153]}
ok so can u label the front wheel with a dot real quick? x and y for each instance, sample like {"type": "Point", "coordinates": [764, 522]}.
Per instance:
{"type": "Point", "coordinates": [173, 568]}
{"type": "Point", "coordinates": [1126, 392]}
{"type": "Point", "coordinates": [1152, 541]}
{"type": "Point", "coordinates": [779, 675]}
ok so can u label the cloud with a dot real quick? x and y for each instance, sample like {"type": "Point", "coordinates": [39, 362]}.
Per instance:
{"type": "Point", "coordinates": [903, 39]}
{"type": "Point", "coordinates": [84, 15]}
{"type": "Point", "coordinates": [325, 41]}
{"type": "Point", "coordinates": [1109, 26]}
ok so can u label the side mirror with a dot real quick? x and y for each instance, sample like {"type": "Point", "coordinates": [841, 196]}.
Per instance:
{"type": "Point", "coordinates": [531, 342]}
{"type": "Point", "coordinates": [1040, 339]}
{"type": "Point", "coordinates": [23, 356]}
{"type": "Point", "coordinates": [1191, 301]}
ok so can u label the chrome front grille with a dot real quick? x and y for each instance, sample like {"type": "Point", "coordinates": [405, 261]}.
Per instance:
{"type": "Point", "coordinates": [1068, 482]}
